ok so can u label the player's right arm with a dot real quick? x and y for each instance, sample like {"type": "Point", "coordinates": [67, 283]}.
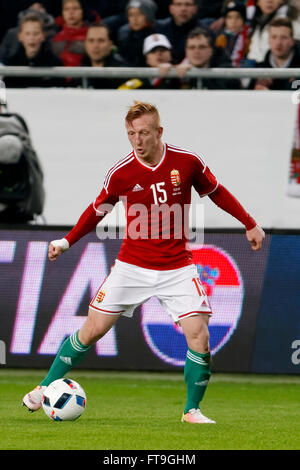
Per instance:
{"type": "Point", "coordinates": [56, 248]}
{"type": "Point", "coordinates": [87, 222]}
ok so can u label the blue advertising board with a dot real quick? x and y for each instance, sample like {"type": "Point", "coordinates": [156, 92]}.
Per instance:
{"type": "Point", "coordinates": [277, 340]}
{"type": "Point", "coordinates": [255, 297]}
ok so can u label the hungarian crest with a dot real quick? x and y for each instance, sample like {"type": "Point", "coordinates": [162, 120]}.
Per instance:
{"type": "Point", "coordinates": [100, 296]}
{"type": "Point", "coordinates": [175, 178]}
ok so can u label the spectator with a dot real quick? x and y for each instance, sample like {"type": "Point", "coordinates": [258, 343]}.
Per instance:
{"type": "Point", "coordinates": [22, 193]}
{"type": "Point", "coordinates": [157, 50]}
{"type": "Point", "coordinates": [33, 51]}
{"type": "Point", "coordinates": [183, 18]}
{"type": "Point", "coordinates": [68, 44]}
{"type": "Point", "coordinates": [284, 53]}
{"type": "Point", "coordinates": [49, 25]}
{"type": "Point", "coordinates": [114, 15]}
{"type": "Point", "coordinates": [141, 20]}
{"type": "Point", "coordinates": [158, 53]}
{"type": "Point", "coordinates": [202, 53]}
{"type": "Point", "coordinates": [234, 39]}
{"type": "Point", "coordinates": [10, 42]}
{"type": "Point", "coordinates": [265, 11]}
{"type": "Point", "coordinates": [99, 52]}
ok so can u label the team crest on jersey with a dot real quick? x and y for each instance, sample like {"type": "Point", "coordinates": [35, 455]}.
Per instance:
{"type": "Point", "coordinates": [100, 296]}
{"type": "Point", "coordinates": [175, 178]}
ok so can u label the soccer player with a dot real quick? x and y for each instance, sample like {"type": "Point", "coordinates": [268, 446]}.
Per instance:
{"type": "Point", "coordinates": [154, 175]}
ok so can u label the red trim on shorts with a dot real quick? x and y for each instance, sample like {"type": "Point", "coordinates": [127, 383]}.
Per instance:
{"type": "Point", "coordinates": [107, 311]}
{"type": "Point", "coordinates": [195, 311]}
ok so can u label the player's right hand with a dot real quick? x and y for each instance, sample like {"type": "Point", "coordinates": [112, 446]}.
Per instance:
{"type": "Point", "coordinates": [54, 252]}
{"type": "Point", "coordinates": [56, 248]}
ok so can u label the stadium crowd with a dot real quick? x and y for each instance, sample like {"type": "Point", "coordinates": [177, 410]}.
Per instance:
{"type": "Point", "coordinates": [166, 34]}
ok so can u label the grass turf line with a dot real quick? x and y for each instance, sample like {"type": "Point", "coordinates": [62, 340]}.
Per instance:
{"type": "Point", "coordinates": [141, 411]}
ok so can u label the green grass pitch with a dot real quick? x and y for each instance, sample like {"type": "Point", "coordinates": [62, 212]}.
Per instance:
{"type": "Point", "coordinates": [141, 411]}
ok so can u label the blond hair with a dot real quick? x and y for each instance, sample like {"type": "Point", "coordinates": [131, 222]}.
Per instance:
{"type": "Point", "coordinates": [140, 108]}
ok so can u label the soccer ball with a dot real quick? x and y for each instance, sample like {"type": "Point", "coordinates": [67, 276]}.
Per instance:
{"type": "Point", "coordinates": [64, 400]}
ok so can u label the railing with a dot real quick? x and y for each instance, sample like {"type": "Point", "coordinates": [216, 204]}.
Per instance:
{"type": "Point", "coordinates": [145, 72]}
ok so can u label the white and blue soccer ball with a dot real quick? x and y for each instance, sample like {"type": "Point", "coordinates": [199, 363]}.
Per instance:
{"type": "Point", "coordinates": [64, 400]}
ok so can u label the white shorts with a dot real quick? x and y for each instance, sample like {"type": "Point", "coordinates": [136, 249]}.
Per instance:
{"type": "Point", "coordinates": [179, 291]}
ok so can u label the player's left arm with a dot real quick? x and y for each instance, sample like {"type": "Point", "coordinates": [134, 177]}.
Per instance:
{"type": "Point", "coordinates": [227, 202]}
{"type": "Point", "coordinates": [206, 184]}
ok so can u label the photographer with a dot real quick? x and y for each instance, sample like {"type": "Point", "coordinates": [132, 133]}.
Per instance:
{"type": "Point", "coordinates": [22, 193]}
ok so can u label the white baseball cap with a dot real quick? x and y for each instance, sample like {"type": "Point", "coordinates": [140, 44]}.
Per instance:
{"type": "Point", "coordinates": [156, 40]}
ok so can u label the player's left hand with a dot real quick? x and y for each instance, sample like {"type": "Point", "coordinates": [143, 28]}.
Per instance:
{"type": "Point", "coordinates": [255, 236]}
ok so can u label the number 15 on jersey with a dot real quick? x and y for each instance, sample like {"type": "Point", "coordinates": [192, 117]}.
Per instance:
{"type": "Point", "coordinates": [159, 193]}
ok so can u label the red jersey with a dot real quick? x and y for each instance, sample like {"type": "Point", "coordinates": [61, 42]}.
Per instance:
{"type": "Point", "coordinates": [156, 202]}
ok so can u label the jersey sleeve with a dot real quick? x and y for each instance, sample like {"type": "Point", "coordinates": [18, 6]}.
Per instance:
{"type": "Point", "coordinates": [89, 219]}
{"type": "Point", "coordinates": [226, 201]}
{"type": "Point", "coordinates": [109, 194]}
{"type": "Point", "coordinates": [204, 180]}
{"type": "Point", "coordinates": [104, 203]}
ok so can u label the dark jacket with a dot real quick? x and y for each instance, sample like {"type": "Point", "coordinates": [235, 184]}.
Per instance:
{"type": "Point", "coordinates": [44, 58]}
{"type": "Point", "coordinates": [130, 44]}
{"type": "Point", "coordinates": [221, 60]}
{"type": "Point", "coordinates": [278, 83]}
{"type": "Point", "coordinates": [113, 60]}
{"type": "Point", "coordinates": [176, 34]}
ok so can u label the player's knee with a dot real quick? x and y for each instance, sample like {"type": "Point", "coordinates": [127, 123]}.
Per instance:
{"type": "Point", "coordinates": [198, 340]}
{"type": "Point", "coordinates": [201, 343]}
{"type": "Point", "coordinates": [92, 330]}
